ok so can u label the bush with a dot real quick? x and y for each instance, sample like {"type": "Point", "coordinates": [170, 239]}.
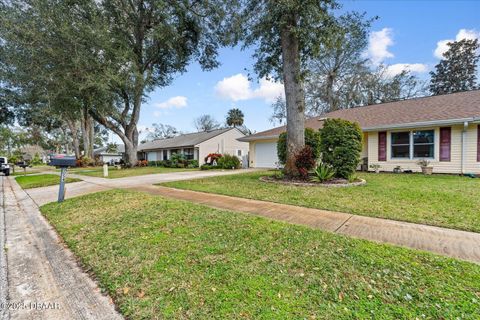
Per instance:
{"type": "Point", "coordinates": [142, 163]}
{"type": "Point", "coordinates": [341, 145]}
{"type": "Point", "coordinates": [207, 166]}
{"type": "Point", "coordinates": [36, 161]}
{"type": "Point", "coordinates": [304, 161]}
{"type": "Point", "coordinates": [228, 162]}
{"type": "Point", "coordinates": [323, 173]}
{"type": "Point", "coordinates": [312, 139]}
{"type": "Point", "coordinates": [192, 164]}
{"type": "Point", "coordinates": [212, 157]}
{"type": "Point", "coordinates": [85, 162]}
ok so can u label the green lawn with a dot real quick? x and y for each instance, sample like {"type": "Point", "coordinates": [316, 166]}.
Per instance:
{"type": "Point", "coordinates": [441, 200]}
{"type": "Point", "coordinates": [41, 180]}
{"type": "Point", "coordinates": [122, 173]}
{"type": "Point", "coordinates": [171, 259]}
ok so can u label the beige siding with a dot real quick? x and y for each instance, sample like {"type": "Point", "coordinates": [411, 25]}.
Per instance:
{"type": "Point", "coordinates": [224, 143]}
{"type": "Point", "coordinates": [453, 166]}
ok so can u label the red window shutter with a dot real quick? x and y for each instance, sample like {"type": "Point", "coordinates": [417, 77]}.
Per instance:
{"type": "Point", "coordinates": [382, 146]}
{"type": "Point", "coordinates": [478, 143]}
{"type": "Point", "coordinates": [445, 143]}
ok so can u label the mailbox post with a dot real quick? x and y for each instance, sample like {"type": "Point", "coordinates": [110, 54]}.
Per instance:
{"type": "Point", "coordinates": [63, 162]}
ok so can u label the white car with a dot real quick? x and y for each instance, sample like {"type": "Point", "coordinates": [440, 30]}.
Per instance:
{"type": "Point", "coordinates": [4, 166]}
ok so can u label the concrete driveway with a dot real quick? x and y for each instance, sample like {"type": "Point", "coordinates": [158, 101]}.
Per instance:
{"type": "Point", "coordinates": [45, 195]}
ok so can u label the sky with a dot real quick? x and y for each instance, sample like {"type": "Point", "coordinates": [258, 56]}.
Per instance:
{"type": "Point", "coordinates": [408, 34]}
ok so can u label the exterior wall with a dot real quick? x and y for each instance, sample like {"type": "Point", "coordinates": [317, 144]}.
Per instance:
{"type": "Point", "coordinates": [251, 153]}
{"type": "Point", "coordinates": [108, 158]}
{"type": "Point", "coordinates": [224, 143]}
{"type": "Point", "coordinates": [453, 166]}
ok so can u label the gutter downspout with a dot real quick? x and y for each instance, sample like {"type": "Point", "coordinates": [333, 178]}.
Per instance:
{"type": "Point", "coordinates": [464, 139]}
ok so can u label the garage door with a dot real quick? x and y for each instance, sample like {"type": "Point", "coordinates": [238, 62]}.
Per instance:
{"type": "Point", "coordinates": [266, 155]}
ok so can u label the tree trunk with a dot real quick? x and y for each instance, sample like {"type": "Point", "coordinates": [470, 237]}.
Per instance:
{"type": "Point", "coordinates": [294, 96]}
{"type": "Point", "coordinates": [87, 129]}
{"type": "Point", "coordinates": [72, 125]}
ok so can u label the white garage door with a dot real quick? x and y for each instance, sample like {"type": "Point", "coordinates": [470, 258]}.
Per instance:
{"type": "Point", "coordinates": [266, 155]}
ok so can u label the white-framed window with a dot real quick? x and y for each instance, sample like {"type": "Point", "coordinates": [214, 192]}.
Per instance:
{"type": "Point", "coordinates": [239, 152]}
{"type": "Point", "coordinates": [413, 144]}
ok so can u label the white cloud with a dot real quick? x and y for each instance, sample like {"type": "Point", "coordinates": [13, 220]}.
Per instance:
{"type": "Point", "coordinates": [397, 68]}
{"type": "Point", "coordinates": [174, 102]}
{"type": "Point", "coordinates": [238, 87]}
{"type": "Point", "coordinates": [378, 44]}
{"type": "Point", "coordinates": [442, 46]}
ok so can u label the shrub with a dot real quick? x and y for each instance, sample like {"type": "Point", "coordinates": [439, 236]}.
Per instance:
{"type": "Point", "coordinates": [142, 163]}
{"type": "Point", "coordinates": [323, 172]}
{"type": "Point", "coordinates": [152, 163]}
{"type": "Point", "coordinates": [212, 157]}
{"type": "Point", "coordinates": [85, 162]}
{"type": "Point", "coordinates": [341, 145]}
{"type": "Point", "coordinates": [36, 161]}
{"type": "Point", "coordinates": [304, 161]}
{"type": "Point", "coordinates": [206, 166]}
{"type": "Point", "coordinates": [312, 139]}
{"type": "Point", "coordinates": [192, 164]}
{"type": "Point", "coordinates": [229, 162]}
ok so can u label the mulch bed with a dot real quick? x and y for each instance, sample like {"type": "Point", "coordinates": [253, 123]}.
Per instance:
{"type": "Point", "coordinates": [334, 183]}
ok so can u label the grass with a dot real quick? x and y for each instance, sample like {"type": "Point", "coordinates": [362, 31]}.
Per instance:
{"type": "Point", "coordinates": [441, 200]}
{"type": "Point", "coordinates": [122, 173]}
{"type": "Point", "coordinates": [171, 259]}
{"type": "Point", "coordinates": [41, 180]}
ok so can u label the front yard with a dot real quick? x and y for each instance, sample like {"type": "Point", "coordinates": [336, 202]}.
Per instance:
{"type": "Point", "coordinates": [441, 200]}
{"type": "Point", "coordinates": [161, 258]}
{"type": "Point", "coordinates": [41, 180]}
{"type": "Point", "coordinates": [122, 173]}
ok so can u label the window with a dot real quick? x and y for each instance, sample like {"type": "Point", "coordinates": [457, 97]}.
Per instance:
{"type": "Point", "coordinates": [401, 144]}
{"type": "Point", "coordinates": [413, 144]}
{"type": "Point", "coordinates": [165, 155]}
{"type": "Point", "coordinates": [239, 153]}
{"type": "Point", "coordinates": [188, 153]}
{"type": "Point", "coordinates": [423, 144]}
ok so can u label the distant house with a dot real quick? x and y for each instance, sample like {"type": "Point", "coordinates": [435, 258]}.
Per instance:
{"type": "Point", "coordinates": [109, 157]}
{"type": "Point", "coordinates": [443, 129]}
{"type": "Point", "coordinates": [196, 146]}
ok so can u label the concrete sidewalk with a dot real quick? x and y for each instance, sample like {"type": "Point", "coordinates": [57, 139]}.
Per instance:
{"type": "Point", "coordinates": [453, 243]}
{"type": "Point", "coordinates": [44, 280]}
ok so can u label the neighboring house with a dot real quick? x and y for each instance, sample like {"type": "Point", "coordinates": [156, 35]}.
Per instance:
{"type": "Point", "coordinates": [108, 157]}
{"type": "Point", "coordinates": [196, 146]}
{"type": "Point", "coordinates": [29, 152]}
{"type": "Point", "coordinates": [444, 129]}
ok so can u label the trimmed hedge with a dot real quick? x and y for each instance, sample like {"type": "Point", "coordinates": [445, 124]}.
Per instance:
{"type": "Point", "coordinates": [312, 139]}
{"type": "Point", "coordinates": [341, 145]}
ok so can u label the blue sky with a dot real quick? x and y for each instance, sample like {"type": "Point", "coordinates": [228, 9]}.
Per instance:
{"type": "Point", "coordinates": [407, 34]}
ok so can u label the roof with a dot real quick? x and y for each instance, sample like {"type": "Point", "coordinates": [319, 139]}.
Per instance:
{"type": "Point", "coordinates": [103, 150]}
{"type": "Point", "coordinates": [441, 109]}
{"type": "Point", "coordinates": [184, 140]}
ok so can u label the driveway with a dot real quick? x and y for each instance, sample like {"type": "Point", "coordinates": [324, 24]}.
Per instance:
{"type": "Point", "coordinates": [45, 195]}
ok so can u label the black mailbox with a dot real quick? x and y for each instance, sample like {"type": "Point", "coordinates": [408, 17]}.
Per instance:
{"type": "Point", "coordinates": [63, 161]}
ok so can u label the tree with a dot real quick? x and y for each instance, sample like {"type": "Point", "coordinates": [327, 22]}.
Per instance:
{"type": "Point", "coordinates": [162, 131]}
{"type": "Point", "coordinates": [287, 34]}
{"type": "Point", "coordinates": [235, 117]}
{"type": "Point", "coordinates": [457, 71]}
{"type": "Point", "coordinates": [206, 122]}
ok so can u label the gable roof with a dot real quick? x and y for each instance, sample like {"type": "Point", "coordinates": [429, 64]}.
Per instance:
{"type": "Point", "coordinates": [441, 109]}
{"type": "Point", "coordinates": [184, 140]}
{"type": "Point", "coordinates": [103, 150]}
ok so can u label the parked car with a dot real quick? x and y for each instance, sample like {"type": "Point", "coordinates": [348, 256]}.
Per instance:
{"type": "Point", "coordinates": [4, 166]}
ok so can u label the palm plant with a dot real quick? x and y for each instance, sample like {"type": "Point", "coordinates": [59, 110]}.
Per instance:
{"type": "Point", "coordinates": [234, 117]}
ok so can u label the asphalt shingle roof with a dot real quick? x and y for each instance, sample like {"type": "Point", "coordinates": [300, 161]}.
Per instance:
{"type": "Point", "coordinates": [184, 140]}
{"type": "Point", "coordinates": [461, 105]}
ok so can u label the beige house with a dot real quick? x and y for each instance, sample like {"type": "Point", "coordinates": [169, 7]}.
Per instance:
{"type": "Point", "coordinates": [443, 129]}
{"type": "Point", "coordinates": [197, 146]}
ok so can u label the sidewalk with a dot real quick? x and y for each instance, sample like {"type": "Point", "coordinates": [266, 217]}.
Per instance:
{"type": "Point", "coordinates": [449, 242]}
{"type": "Point", "coordinates": [43, 276]}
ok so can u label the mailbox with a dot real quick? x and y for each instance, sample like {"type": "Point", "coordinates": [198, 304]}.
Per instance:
{"type": "Point", "coordinates": [63, 161]}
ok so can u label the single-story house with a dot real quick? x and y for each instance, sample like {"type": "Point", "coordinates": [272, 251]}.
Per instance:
{"type": "Point", "coordinates": [197, 146]}
{"type": "Point", "coordinates": [108, 157]}
{"type": "Point", "coordinates": [443, 129]}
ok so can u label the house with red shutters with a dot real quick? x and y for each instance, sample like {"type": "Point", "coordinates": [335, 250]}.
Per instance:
{"type": "Point", "coordinates": [443, 129]}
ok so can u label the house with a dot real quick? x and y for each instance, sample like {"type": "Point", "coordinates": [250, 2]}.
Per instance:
{"type": "Point", "coordinates": [108, 156]}
{"type": "Point", "coordinates": [443, 129]}
{"type": "Point", "coordinates": [197, 146]}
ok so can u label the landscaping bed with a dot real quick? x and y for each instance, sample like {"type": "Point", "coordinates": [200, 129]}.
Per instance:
{"type": "Point", "coordinates": [161, 258]}
{"type": "Point", "coordinates": [441, 200]}
{"type": "Point", "coordinates": [333, 183]}
{"type": "Point", "coordinates": [41, 180]}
